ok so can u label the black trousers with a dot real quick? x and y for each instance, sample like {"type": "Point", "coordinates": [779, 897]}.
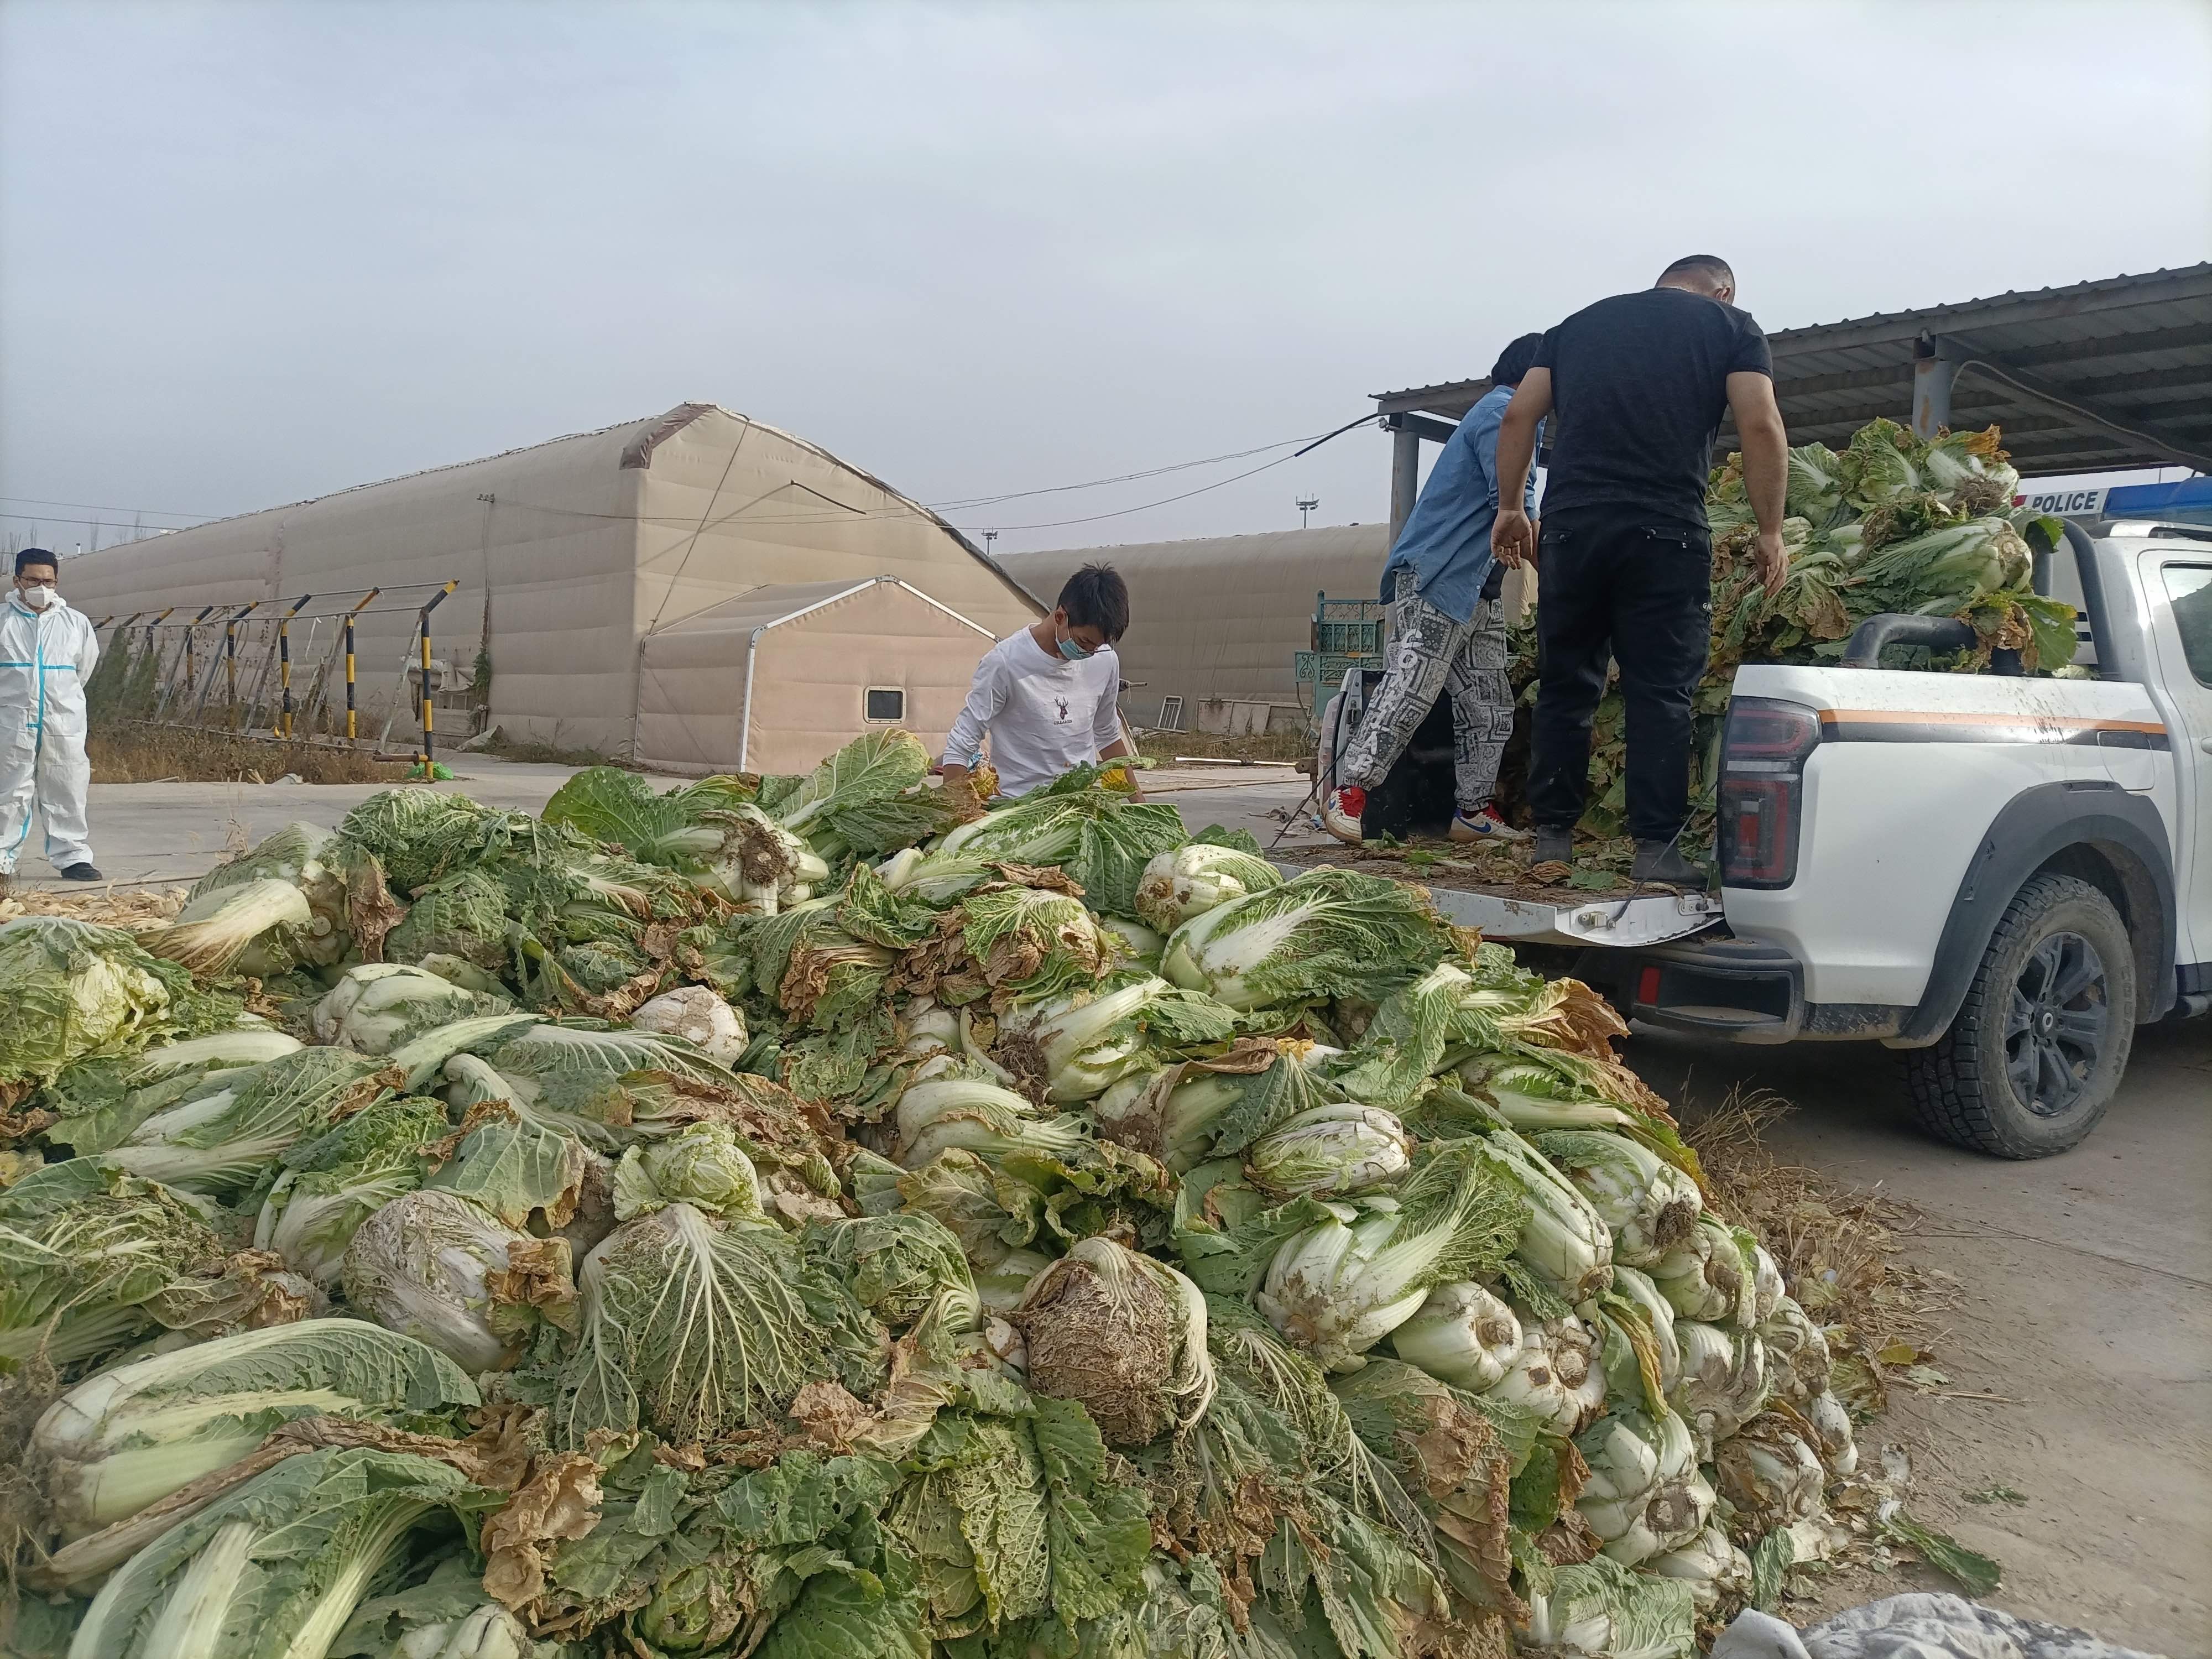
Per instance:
{"type": "Point", "coordinates": [1613, 583]}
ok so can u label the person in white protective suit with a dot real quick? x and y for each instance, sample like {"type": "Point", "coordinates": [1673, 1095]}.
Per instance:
{"type": "Point", "coordinates": [47, 651]}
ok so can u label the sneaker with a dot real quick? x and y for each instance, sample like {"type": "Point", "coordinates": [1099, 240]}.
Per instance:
{"type": "Point", "coordinates": [1658, 861]}
{"type": "Point", "coordinates": [1553, 845]}
{"type": "Point", "coordinates": [82, 872]}
{"type": "Point", "coordinates": [1485, 826]}
{"type": "Point", "coordinates": [1341, 817]}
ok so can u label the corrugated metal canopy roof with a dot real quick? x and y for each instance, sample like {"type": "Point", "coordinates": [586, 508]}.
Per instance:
{"type": "Point", "coordinates": [2093, 378]}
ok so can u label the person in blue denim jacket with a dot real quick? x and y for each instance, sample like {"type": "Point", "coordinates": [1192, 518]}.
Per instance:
{"type": "Point", "coordinates": [1446, 627]}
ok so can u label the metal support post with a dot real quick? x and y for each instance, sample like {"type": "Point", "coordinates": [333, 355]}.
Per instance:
{"type": "Point", "coordinates": [284, 661]}
{"type": "Point", "coordinates": [1404, 475]}
{"type": "Point", "coordinates": [435, 600]}
{"type": "Point", "coordinates": [352, 730]}
{"type": "Point", "coordinates": [230, 658]}
{"type": "Point", "coordinates": [191, 671]}
{"type": "Point", "coordinates": [1935, 367]}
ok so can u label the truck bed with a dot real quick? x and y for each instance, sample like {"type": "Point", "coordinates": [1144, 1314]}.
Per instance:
{"type": "Point", "coordinates": [1523, 912]}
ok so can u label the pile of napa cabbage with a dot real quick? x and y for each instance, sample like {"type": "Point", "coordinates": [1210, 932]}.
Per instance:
{"type": "Point", "coordinates": [775, 1217]}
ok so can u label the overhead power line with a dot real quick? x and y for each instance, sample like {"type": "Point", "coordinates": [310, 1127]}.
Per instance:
{"type": "Point", "coordinates": [962, 505]}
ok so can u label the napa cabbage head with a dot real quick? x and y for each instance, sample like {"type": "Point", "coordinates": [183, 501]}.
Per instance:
{"type": "Point", "coordinates": [700, 1018]}
{"type": "Point", "coordinates": [584, 1081]}
{"type": "Point", "coordinates": [529, 1175]}
{"type": "Point", "coordinates": [1333, 1150]}
{"type": "Point", "coordinates": [277, 1564]}
{"type": "Point", "coordinates": [1326, 932]}
{"type": "Point", "coordinates": [1769, 1471]}
{"type": "Point", "coordinates": [701, 1164]}
{"type": "Point", "coordinates": [1600, 1606]}
{"type": "Point", "coordinates": [325, 1187]}
{"type": "Point", "coordinates": [221, 1140]}
{"type": "Point", "coordinates": [1083, 1042]}
{"type": "Point", "coordinates": [693, 1331]}
{"type": "Point", "coordinates": [1140, 945]}
{"type": "Point", "coordinates": [1644, 1495]}
{"type": "Point", "coordinates": [1191, 880]}
{"type": "Point", "coordinates": [1122, 1333]}
{"type": "Point", "coordinates": [73, 989]}
{"type": "Point", "coordinates": [1027, 942]}
{"type": "Point", "coordinates": [465, 914]}
{"type": "Point", "coordinates": [130, 1435]}
{"type": "Point", "coordinates": [233, 929]}
{"type": "Point", "coordinates": [899, 1267]}
{"type": "Point", "coordinates": [100, 1100]}
{"type": "Point", "coordinates": [435, 1266]}
{"type": "Point", "coordinates": [1340, 1286]}
{"type": "Point", "coordinates": [379, 1006]}
{"type": "Point", "coordinates": [1464, 1335]}
{"type": "Point", "coordinates": [93, 1258]}
{"type": "Point", "coordinates": [1098, 836]}
{"type": "Point", "coordinates": [1648, 1204]}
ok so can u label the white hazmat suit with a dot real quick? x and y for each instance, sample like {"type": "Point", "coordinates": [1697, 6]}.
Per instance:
{"type": "Point", "coordinates": [45, 659]}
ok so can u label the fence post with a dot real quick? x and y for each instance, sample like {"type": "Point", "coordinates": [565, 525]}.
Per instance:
{"type": "Point", "coordinates": [284, 660]}
{"type": "Point", "coordinates": [436, 599]}
{"type": "Point", "coordinates": [191, 673]}
{"type": "Point", "coordinates": [350, 615]}
{"type": "Point", "coordinates": [230, 658]}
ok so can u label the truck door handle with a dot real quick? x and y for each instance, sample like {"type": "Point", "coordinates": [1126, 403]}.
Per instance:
{"type": "Point", "coordinates": [2205, 743]}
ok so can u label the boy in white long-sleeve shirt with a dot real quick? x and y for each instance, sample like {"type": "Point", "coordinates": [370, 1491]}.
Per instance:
{"type": "Point", "coordinates": [1048, 696]}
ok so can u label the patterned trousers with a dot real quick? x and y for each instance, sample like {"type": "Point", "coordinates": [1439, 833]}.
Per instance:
{"type": "Point", "coordinates": [1433, 652]}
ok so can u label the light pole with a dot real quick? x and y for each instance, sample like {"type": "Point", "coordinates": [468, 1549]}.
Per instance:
{"type": "Point", "coordinates": [989, 536]}
{"type": "Point", "coordinates": [1306, 504]}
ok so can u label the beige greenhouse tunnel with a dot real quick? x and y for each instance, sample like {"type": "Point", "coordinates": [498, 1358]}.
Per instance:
{"type": "Point", "coordinates": [776, 678]}
{"type": "Point", "coordinates": [569, 556]}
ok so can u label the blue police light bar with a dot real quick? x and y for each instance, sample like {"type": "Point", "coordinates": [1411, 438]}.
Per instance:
{"type": "Point", "coordinates": [2186, 500]}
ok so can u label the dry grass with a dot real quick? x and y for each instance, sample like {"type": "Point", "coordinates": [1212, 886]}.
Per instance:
{"type": "Point", "coordinates": [151, 754]}
{"type": "Point", "coordinates": [550, 754]}
{"type": "Point", "coordinates": [134, 909]}
{"type": "Point", "coordinates": [1165, 746]}
{"type": "Point", "coordinates": [1842, 1250]}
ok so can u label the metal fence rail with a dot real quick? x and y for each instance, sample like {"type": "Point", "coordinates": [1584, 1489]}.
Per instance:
{"type": "Point", "coordinates": [152, 671]}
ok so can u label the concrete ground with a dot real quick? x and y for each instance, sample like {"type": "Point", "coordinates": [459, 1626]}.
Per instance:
{"type": "Point", "coordinates": [166, 833]}
{"type": "Point", "coordinates": [2085, 1277]}
{"type": "Point", "coordinates": [2085, 1312]}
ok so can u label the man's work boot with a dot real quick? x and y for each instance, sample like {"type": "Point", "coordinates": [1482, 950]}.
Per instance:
{"type": "Point", "coordinates": [1657, 861]}
{"type": "Point", "coordinates": [82, 872]}
{"type": "Point", "coordinates": [1554, 845]}
{"type": "Point", "coordinates": [1341, 816]}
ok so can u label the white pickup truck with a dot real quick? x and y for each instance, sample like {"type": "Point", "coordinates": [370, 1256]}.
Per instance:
{"type": "Point", "coordinates": [2001, 876]}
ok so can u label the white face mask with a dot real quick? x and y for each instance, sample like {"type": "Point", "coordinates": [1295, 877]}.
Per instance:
{"type": "Point", "coordinates": [38, 595]}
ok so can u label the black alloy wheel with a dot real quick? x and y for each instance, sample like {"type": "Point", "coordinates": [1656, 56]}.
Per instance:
{"type": "Point", "coordinates": [2061, 1014]}
{"type": "Point", "coordinates": [2041, 1040]}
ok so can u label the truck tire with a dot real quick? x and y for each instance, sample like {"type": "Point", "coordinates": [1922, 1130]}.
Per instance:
{"type": "Point", "coordinates": [2036, 1050]}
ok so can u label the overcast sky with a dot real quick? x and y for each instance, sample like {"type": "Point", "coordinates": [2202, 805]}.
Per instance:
{"type": "Point", "coordinates": [253, 252]}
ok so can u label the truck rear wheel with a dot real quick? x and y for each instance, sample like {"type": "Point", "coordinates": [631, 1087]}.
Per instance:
{"type": "Point", "coordinates": [2037, 1047]}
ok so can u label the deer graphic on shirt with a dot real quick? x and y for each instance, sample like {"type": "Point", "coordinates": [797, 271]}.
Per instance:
{"type": "Point", "coordinates": [1062, 701]}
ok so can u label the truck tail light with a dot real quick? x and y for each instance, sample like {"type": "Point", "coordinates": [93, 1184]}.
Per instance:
{"type": "Point", "coordinates": [1762, 790]}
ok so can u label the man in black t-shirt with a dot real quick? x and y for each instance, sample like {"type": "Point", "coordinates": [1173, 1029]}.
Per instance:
{"type": "Point", "coordinates": [1635, 386]}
